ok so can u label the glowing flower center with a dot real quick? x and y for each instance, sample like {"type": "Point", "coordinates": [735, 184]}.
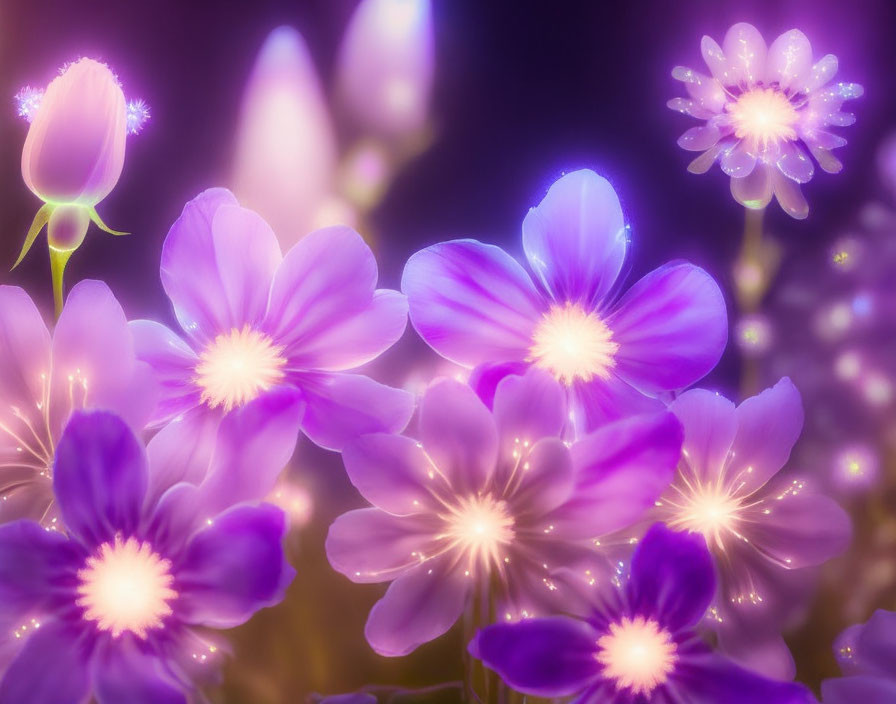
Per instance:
{"type": "Point", "coordinates": [763, 116]}
{"type": "Point", "coordinates": [573, 344]}
{"type": "Point", "coordinates": [480, 526]}
{"type": "Point", "coordinates": [638, 654]}
{"type": "Point", "coordinates": [707, 510]}
{"type": "Point", "coordinates": [237, 366]}
{"type": "Point", "coordinates": [126, 586]}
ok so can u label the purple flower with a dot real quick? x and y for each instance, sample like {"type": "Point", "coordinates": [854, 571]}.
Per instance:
{"type": "Point", "coordinates": [254, 320]}
{"type": "Point", "coordinates": [476, 305]}
{"type": "Point", "coordinates": [491, 496]}
{"type": "Point", "coordinates": [639, 645]}
{"type": "Point", "coordinates": [759, 527]}
{"type": "Point", "coordinates": [760, 105]}
{"type": "Point", "coordinates": [867, 654]}
{"type": "Point", "coordinates": [87, 362]}
{"type": "Point", "coordinates": [117, 604]}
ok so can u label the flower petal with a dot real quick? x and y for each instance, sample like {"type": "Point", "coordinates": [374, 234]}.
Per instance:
{"type": "Point", "coordinates": [790, 197]}
{"type": "Point", "coordinates": [353, 339]}
{"type": "Point", "coordinates": [25, 351]}
{"type": "Point", "coordinates": [754, 190]}
{"type": "Point", "coordinates": [418, 606]}
{"type": "Point", "coordinates": [391, 472]}
{"type": "Point", "coordinates": [544, 657]}
{"type": "Point", "coordinates": [698, 139]}
{"type": "Point", "coordinates": [715, 59]}
{"type": "Point", "coordinates": [189, 268]}
{"type": "Point", "coordinates": [181, 451]}
{"type": "Point", "coordinates": [29, 679]}
{"type": "Point", "coordinates": [737, 161]}
{"type": "Point", "coordinates": [768, 426]}
{"type": "Point", "coordinates": [799, 529]}
{"type": "Point", "coordinates": [548, 478]}
{"type": "Point", "coordinates": [326, 278]}
{"type": "Point", "coordinates": [671, 327]}
{"type": "Point", "coordinates": [865, 689]}
{"type": "Point", "coordinates": [709, 678]}
{"type": "Point", "coordinates": [745, 52]}
{"type": "Point", "coordinates": [672, 577]}
{"type": "Point", "coordinates": [707, 91]}
{"type": "Point", "coordinates": [252, 447]}
{"type": "Point", "coordinates": [173, 365]}
{"type": "Point", "coordinates": [709, 424]}
{"type": "Point", "coordinates": [472, 302]}
{"type": "Point", "coordinates": [794, 163]}
{"type": "Point", "coordinates": [621, 470]}
{"type": "Point", "coordinates": [341, 407]}
{"type": "Point", "coordinates": [875, 643]}
{"type": "Point", "coordinates": [529, 407]}
{"type": "Point", "coordinates": [822, 72]}
{"type": "Point", "coordinates": [34, 564]}
{"type": "Point", "coordinates": [575, 239]}
{"type": "Point", "coordinates": [597, 402]}
{"type": "Point", "coordinates": [99, 477]}
{"type": "Point", "coordinates": [370, 545]}
{"type": "Point", "coordinates": [122, 672]}
{"type": "Point", "coordinates": [789, 60]}
{"type": "Point", "coordinates": [458, 434]}
{"type": "Point", "coordinates": [233, 568]}
{"type": "Point", "coordinates": [764, 653]}
{"type": "Point", "coordinates": [247, 255]}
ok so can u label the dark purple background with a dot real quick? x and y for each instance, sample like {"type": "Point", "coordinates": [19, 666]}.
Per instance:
{"type": "Point", "coordinates": [524, 91]}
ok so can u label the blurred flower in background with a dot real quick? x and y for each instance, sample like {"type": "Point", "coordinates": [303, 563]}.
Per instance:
{"type": "Point", "coordinates": [302, 163]}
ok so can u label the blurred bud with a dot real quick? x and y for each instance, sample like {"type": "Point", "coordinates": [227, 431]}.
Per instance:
{"type": "Point", "coordinates": [754, 335]}
{"type": "Point", "coordinates": [886, 163]}
{"type": "Point", "coordinates": [285, 149]}
{"type": "Point", "coordinates": [67, 227]}
{"type": "Point", "coordinates": [856, 467]}
{"type": "Point", "coordinates": [74, 151]}
{"type": "Point", "coordinates": [385, 70]}
{"type": "Point", "coordinates": [294, 500]}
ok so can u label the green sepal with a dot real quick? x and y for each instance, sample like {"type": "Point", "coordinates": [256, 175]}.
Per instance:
{"type": "Point", "coordinates": [40, 219]}
{"type": "Point", "coordinates": [98, 221]}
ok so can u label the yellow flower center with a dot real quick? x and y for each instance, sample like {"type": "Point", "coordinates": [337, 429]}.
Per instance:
{"type": "Point", "coordinates": [709, 510]}
{"type": "Point", "coordinates": [638, 654]}
{"type": "Point", "coordinates": [126, 586]}
{"type": "Point", "coordinates": [237, 366]}
{"type": "Point", "coordinates": [763, 116]}
{"type": "Point", "coordinates": [573, 344]}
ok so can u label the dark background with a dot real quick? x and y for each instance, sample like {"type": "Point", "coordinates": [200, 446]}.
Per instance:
{"type": "Point", "coordinates": [524, 91]}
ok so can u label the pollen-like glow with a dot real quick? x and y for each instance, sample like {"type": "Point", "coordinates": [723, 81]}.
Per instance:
{"type": "Point", "coordinates": [638, 654]}
{"type": "Point", "coordinates": [709, 510]}
{"type": "Point", "coordinates": [763, 117]}
{"type": "Point", "coordinates": [480, 526]}
{"type": "Point", "coordinates": [126, 586]}
{"type": "Point", "coordinates": [237, 366]}
{"type": "Point", "coordinates": [138, 115]}
{"type": "Point", "coordinates": [573, 344]}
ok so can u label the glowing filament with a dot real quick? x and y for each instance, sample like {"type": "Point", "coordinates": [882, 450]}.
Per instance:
{"type": "Point", "coordinates": [573, 344]}
{"type": "Point", "coordinates": [480, 526]}
{"type": "Point", "coordinates": [237, 366]}
{"type": "Point", "coordinates": [710, 511]}
{"type": "Point", "coordinates": [637, 654]}
{"type": "Point", "coordinates": [126, 586]}
{"type": "Point", "coordinates": [763, 116]}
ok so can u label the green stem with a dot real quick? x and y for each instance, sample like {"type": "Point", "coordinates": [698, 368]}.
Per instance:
{"type": "Point", "coordinates": [58, 259]}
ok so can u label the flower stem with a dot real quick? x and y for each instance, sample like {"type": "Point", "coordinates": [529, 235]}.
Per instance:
{"type": "Point", "coordinates": [752, 276]}
{"type": "Point", "coordinates": [58, 259]}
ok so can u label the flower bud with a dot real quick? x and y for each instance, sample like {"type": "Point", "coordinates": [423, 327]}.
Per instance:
{"type": "Point", "coordinates": [67, 227]}
{"type": "Point", "coordinates": [74, 151]}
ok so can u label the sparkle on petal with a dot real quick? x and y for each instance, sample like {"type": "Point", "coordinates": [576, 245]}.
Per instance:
{"type": "Point", "coordinates": [573, 344]}
{"type": "Point", "coordinates": [237, 366]}
{"type": "Point", "coordinates": [28, 101]}
{"type": "Point", "coordinates": [638, 654]}
{"type": "Point", "coordinates": [126, 586]}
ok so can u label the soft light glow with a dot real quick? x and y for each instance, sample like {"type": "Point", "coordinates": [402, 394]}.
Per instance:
{"type": "Point", "coordinates": [480, 526]}
{"type": "Point", "coordinates": [763, 117]}
{"type": "Point", "coordinates": [126, 586]}
{"type": "Point", "coordinates": [638, 654]}
{"type": "Point", "coordinates": [285, 147]}
{"type": "Point", "coordinates": [573, 344]}
{"type": "Point", "coordinates": [28, 101]}
{"type": "Point", "coordinates": [709, 510]}
{"type": "Point", "coordinates": [237, 366]}
{"type": "Point", "coordinates": [138, 116]}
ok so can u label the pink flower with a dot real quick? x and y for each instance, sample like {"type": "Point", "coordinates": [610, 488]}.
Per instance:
{"type": "Point", "coordinates": [763, 107]}
{"type": "Point", "coordinates": [74, 150]}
